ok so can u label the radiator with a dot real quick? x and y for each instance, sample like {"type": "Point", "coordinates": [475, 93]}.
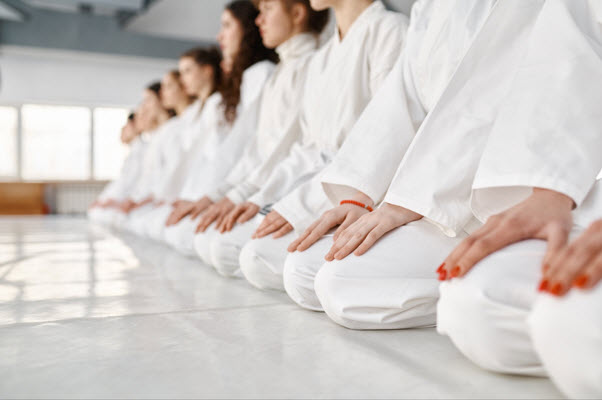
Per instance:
{"type": "Point", "coordinates": [72, 198]}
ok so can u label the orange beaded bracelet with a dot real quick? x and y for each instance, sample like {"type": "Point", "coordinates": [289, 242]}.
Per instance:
{"type": "Point", "coordinates": [357, 203]}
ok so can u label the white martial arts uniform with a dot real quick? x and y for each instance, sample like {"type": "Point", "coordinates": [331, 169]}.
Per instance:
{"type": "Point", "coordinates": [199, 140]}
{"type": "Point", "coordinates": [342, 78]}
{"type": "Point", "coordinates": [441, 71]}
{"type": "Point", "coordinates": [277, 129]}
{"type": "Point", "coordinates": [496, 317]}
{"type": "Point", "coordinates": [173, 142]}
{"type": "Point", "coordinates": [152, 222]}
{"type": "Point", "coordinates": [161, 160]}
{"type": "Point", "coordinates": [221, 149]}
{"type": "Point", "coordinates": [547, 135]}
{"type": "Point", "coordinates": [120, 188]}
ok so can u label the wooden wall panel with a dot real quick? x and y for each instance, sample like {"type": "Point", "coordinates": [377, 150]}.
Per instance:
{"type": "Point", "coordinates": [22, 198]}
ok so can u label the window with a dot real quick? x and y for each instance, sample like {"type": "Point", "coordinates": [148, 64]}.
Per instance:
{"type": "Point", "coordinates": [109, 152]}
{"type": "Point", "coordinates": [56, 142]}
{"type": "Point", "coordinates": [8, 142]}
{"type": "Point", "coordinates": [61, 143]}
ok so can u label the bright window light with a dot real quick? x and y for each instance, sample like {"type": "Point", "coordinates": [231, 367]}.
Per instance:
{"type": "Point", "coordinates": [8, 142]}
{"type": "Point", "coordinates": [56, 142]}
{"type": "Point", "coordinates": [109, 152]}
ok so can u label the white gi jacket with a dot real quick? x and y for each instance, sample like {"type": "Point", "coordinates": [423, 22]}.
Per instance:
{"type": "Point", "coordinates": [278, 126]}
{"type": "Point", "coordinates": [221, 144]}
{"type": "Point", "coordinates": [342, 78]}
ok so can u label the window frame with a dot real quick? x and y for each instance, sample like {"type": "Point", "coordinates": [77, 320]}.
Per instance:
{"type": "Point", "coordinates": [18, 177]}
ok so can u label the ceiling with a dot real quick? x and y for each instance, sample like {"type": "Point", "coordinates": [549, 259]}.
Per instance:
{"type": "Point", "coordinates": [101, 7]}
{"type": "Point", "coordinates": [192, 20]}
{"type": "Point", "coordinates": [180, 19]}
{"type": "Point", "coordinates": [199, 19]}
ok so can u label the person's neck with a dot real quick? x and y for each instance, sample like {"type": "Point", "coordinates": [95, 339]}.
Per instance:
{"type": "Point", "coordinates": [347, 12]}
{"type": "Point", "coordinates": [297, 30]}
{"type": "Point", "coordinates": [181, 107]}
{"type": "Point", "coordinates": [161, 118]}
{"type": "Point", "coordinates": [205, 92]}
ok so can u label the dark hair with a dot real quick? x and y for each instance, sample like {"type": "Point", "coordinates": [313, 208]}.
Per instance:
{"type": "Point", "coordinates": [251, 51]}
{"type": "Point", "coordinates": [155, 87]}
{"type": "Point", "coordinates": [316, 20]}
{"type": "Point", "coordinates": [210, 56]}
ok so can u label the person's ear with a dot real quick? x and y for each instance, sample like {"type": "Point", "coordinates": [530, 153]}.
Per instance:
{"type": "Point", "coordinates": [299, 15]}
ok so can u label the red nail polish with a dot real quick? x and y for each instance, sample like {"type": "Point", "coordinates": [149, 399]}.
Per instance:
{"type": "Point", "coordinates": [455, 272]}
{"type": "Point", "coordinates": [581, 281]}
{"type": "Point", "coordinates": [440, 268]}
{"type": "Point", "coordinates": [543, 285]}
{"type": "Point", "coordinates": [556, 289]}
{"type": "Point", "coordinates": [442, 275]}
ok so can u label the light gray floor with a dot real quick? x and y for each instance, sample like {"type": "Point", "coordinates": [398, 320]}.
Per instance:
{"type": "Point", "coordinates": [88, 313]}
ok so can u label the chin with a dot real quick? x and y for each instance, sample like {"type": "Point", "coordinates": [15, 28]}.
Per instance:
{"type": "Point", "coordinates": [270, 44]}
{"type": "Point", "coordinates": [319, 5]}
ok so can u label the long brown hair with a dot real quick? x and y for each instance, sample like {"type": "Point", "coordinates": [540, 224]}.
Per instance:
{"type": "Point", "coordinates": [250, 52]}
{"type": "Point", "coordinates": [210, 56]}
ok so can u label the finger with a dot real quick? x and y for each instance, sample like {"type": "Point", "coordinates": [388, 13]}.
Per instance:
{"type": "Point", "coordinates": [198, 227]}
{"type": "Point", "coordinates": [264, 224]}
{"type": "Point", "coordinates": [229, 223]}
{"type": "Point", "coordinates": [271, 228]}
{"type": "Point", "coordinates": [372, 237]}
{"type": "Point", "coordinates": [246, 215]}
{"type": "Point", "coordinates": [283, 231]}
{"type": "Point", "coordinates": [232, 217]}
{"type": "Point", "coordinates": [592, 275]}
{"type": "Point", "coordinates": [346, 224]}
{"type": "Point", "coordinates": [178, 218]}
{"type": "Point", "coordinates": [452, 259]}
{"type": "Point", "coordinates": [206, 221]}
{"type": "Point", "coordinates": [354, 241]}
{"type": "Point", "coordinates": [221, 227]}
{"type": "Point", "coordinates": [482, 247]}
{"type": "Point", "coordinates": [573, 260]}
{"type": "Point", "coordinates": [343, 239]}
{"type": "Point", "coordinates": [295, 245]}
{"type": "Point", "coordinates": [557, 240]}
{"type": "Point", "coordinates": [219, 219]}
{"type": "Point", "coordinates": [320, 230]}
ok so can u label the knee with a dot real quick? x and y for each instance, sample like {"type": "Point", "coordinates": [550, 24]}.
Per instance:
{"type": "Point", "coordinates": [252, 266]}
{"type": "Point", "coordinates": [298, 277]}
{"type": "Point", "coordinates": [331, 293]}
{"type": "Point", "coordinates": [202, 247]}
{"type": "Point", "coordinates": [567, 336]}
{"type": "Point", "coordinates": [487, 331]}
{"type": "Point", "coordinates": [355, 297]}
{"type": "Point", "coordinates": [256, 268]}
{"type": "Point", "coordinates": [224, 257]}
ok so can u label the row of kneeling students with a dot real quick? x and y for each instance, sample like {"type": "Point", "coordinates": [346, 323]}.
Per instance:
{"type": "Point", "coordinates": [467, 136]}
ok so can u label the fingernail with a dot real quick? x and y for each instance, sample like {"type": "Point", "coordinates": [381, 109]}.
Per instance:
{"type": "Point", "coordinates": [543, 285]}
{"type": "Point", "coordinates": [442, 275]}
{"type": "Point", "coordinates": [556, 289]}
{"type": "Point", "coordinates": [581, 281]}
{"type": "Point", "coordinates": [455, 272]}
{"type": "Point", "coordinates": [440, 268]}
